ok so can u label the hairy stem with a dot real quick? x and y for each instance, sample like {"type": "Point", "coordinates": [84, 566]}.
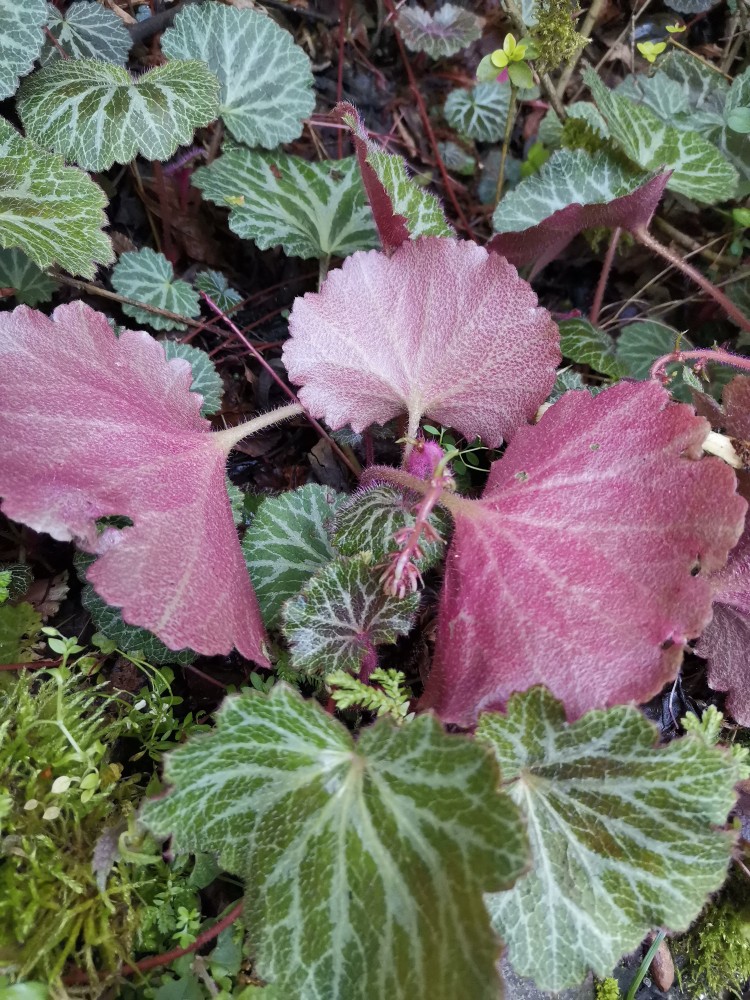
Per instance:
{"type": "Point", "coordinates": [705, 354]}
{"type": "Point", "coordinates": [509, 121]}
{"type": "Point", "coordinates": [228, 438]}
{"type": "Point", "coordinates": [647, 240]}
{"type": "Point", "coordinates": [601, 287]}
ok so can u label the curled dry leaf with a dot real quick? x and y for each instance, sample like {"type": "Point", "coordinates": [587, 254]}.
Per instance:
{"type": "Point", "coordinates": [391, 335]}
{"type": "Point", "coordinates": [95, 425]}
{"type": "Point", "coordinates": [584, 565]}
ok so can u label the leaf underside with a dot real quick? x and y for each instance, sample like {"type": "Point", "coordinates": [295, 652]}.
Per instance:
{"type": "Point", "coordinates": [443, 33]}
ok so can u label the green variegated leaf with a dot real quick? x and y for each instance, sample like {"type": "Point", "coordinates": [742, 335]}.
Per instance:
{"type": "Point", "coordinates": [87, 31]}
{"type": "Point", "coordinates": [286, 543]}
{"type": "Point", "coordinates": [443, 33]}
{"type": "Point", "coordinates": [457, 159]}
{"type": "Point", "coordinates": [699, 171]}
{"type": "Point", "coordinates": [52, 212]}
{"type": "Point", "coordinates": [218, 289]}
{"type": "Point", "coordinates": [147, 276]}
{"type": "Point", "coordinates": [368, 520]}
{"type": "Point", "coordinates": [640, 344]}
{"type": "Point", "coordinates": [17, 577]}
{"type": "Point", "coordinates": [567, 380]}
{"type": "Point", "coordinates": [310, 209]}
{"type": "Point", "coordinates": [21, 40]}
{"type": "Point", "coordinates": [97, 114]}
{"type": "Point", "coordinates": [266, 80]}
{"type": "Point", "coordinates": [363, 861]}
{"type": "Point", "coordinates": [20, 625]}
{"type": "Point", "coordinates": [206, 380]}
{"type": "Point", "coordinates": [480, 112]}
{"type": "Point", "coordinates": [623, 834]}
{"type": "Point", "coordinates": [342, 614]}
{"type": "Point", "coordinates": [588, 345]}
{"type": "Point", "coordinates": [29, 283]}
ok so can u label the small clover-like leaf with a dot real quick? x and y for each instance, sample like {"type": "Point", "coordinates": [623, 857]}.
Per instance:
{"type": "Point", "coordinates": [29, 283]}
{"type": "Point", "coordinates": [21, 40]}
{"type": "Point", "coordinates": [368, 520]}
{"type": "Point", "coordinates": [443, 33]}
{"type": "Point", "coordinates": [97, 114]}
{"type": "Point", "coordinates": [479, 112]}
{"type": "Point", "coordinates": [364, 862]}
{"type": "Point", "coordinates": [218, 289]}
{"type": "Point", "coordinates": [698, 169]}
{"type": "Point", "coordinates": [401, 208]}
{"type": "Point", "coordinates": [592, 544]}
{"type": "Point", "coordinates": [571, 192]}
{"type": "Point", "coordinates": [342, 614]}
{"type": "Point", "coordinates": [435, 304]}
{"type": "Point", "coordinates": [266, 80]}
{"type": "Point", "coordinates": [122, 422]}
{"type": "Point", "coordinates": [148, 276]}
{"type": "Point", "coordinates": [286, 543]}
{"type": "Point", "coordinates": [312, 209]}
{"type": "Point", "coordinates": [588, 345]}
{"type": "Point", "coordinates": [52, 212]}
{"type": "Point", "coordinates": [623, 834]}
{"type": "Point", "coordinates": [206, 380]}
{"type": "Point", "coordinates": [86, 30]}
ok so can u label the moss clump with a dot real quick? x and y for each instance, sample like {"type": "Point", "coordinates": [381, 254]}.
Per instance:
{"type": "Point", "coordinates": [578, 134]}
{"type": "Point", "coordinates": [555, 35]}
{"type": "Point", "coordinates": [608, 989]}
{"type": "Point", "coordinates": [716, 949]}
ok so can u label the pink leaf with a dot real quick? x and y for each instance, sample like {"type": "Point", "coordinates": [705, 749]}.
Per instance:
{"type": "Point", "coordinates": [95, 425]}
{"type": "Point", "coordinates": [441, 328]}
{"type": "Point", "coordinates": [575, 568]}
{"type": "Point", "coordinates": [726, 641]}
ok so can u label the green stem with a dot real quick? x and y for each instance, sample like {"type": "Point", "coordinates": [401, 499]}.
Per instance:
{"type": "Point", "coordinates": [506, 141]}
{"type": "Point", "coordinates": [645, 965]}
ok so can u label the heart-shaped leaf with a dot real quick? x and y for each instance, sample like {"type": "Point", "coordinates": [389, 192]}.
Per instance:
{"type": "Point", "coordinates": [401, 208]}
{"type": "Point", "coordinates": [443, 33]}
{"type": "Point", "coordinates": [479, 112]}
{"type": "Point", "coordinates": [571, 192]}
{"type": "Point", "coordinates": [97, 114]}
{"type": "Point", "coordinates": [148, 276]}
{"type": "Point", "coordinates": [87, 30]}
{"type": "Point", "coordinates": [266, 80]}
{"type": "Point", "coordinates": [21, 39]}
{"type": "Point", "coordinates": [287, 542]}
{"type": "Point", "coordinates": [364, 862]}
{"type": "Point", "coordinates": [52, 212]}
{"type": "Point", "coordinates": [623, 834]}
{"type": "Point", "coordinates": [699, 171]}
{"type": "Point", "coordinates": [312, 209]}
{"type": "Point", "coordinates": [342, 615]}
{"type": "Point", "coordinates": [29, 283]}
{"type": "Point", "coordinates": [436, 304]}
{"type": "Point", "coordinates": [584, 565]}
{"type": "Point", "coordinates": [97, 425]}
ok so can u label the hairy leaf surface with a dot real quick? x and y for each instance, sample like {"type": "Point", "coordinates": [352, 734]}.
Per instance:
{"type": "Point", "coordinates": [447, 31]}
{"type": "Point", "coordinates": [287, 542]}
{"type": "Point", "coordinates": [401, 208]}
{"type": "Point", "coordinates": [21, 40]}
{"type": "Point", "coordinates": [364, 862]}
{"type": "Point", "coordinates": [52, 212]}
{"type": "Point", "coordinates": [266, 80]}
{"type": "Point", "coordinates": [98, 425]}
{"type": "Point", "coordinates": [699, 171]}
{"type": "Point", "coordinates": [97, 114]}
{"type": "Point", "coordinates": [87, 31]}
{"type": "Point", "coordinates": [148, 276]}
{"type": "Point", "coordinates": [342, 614]}
{"type": "Point", "coordinates": [29, 283]}
{"type": "Point", "coordinates": [572, 192]}
{"type": "Point", "coordinates": [623, 834]}
{"type": "Point", "coordinates": [435, 304]}
{"type": "Point", "coordinates": [480, 111]}
{"type": "Point", "coordinates": [584, 565]}
{"type": "Point", "coordinates": [311, 209]}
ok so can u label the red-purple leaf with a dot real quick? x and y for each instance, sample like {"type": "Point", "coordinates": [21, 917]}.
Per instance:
{"type": "Point", "coordinates": [441, 328]}
{"type": "Point", "coordinates": [575, 569]}
{"type": "Point", "coordinates": [725, 642]}
{"type": "Point", "coordinates": [95, 425]}
{"type": "Point", "coordinates": [570, 193]}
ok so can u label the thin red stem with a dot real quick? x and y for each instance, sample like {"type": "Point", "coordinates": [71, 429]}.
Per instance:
{"type": "Point", "coordinates": [601, 287]}
{"type": "Point", "coordinates": [281, 384]}
{"type": "Point", "coordinates": [647, 240]}
{"type": "Point", "coordinates": [658, 368]}
{"type": "Point", "coordinates": [51, 38]}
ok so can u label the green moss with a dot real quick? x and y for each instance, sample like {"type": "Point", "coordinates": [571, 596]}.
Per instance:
{"type": "Point", "coordinates": [578, 134]}
{"type": "Point", "coordinates": [608, 989]}
{"type": "Point", "coordinates": [555, 35]}
{"type": "Point", "coordinates": [716, 949]}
